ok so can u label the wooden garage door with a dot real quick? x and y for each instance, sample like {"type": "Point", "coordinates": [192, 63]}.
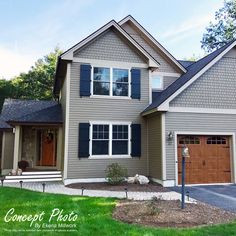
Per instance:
{"type": "Point", "coordinates": [209, 160]}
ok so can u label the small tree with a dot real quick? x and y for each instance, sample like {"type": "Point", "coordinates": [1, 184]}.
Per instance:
{"type": "Point", "coordinates": [115, 173]}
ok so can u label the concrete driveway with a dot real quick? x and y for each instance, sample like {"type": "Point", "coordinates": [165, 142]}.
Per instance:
{"type": "Point", "coordinates": [222, 196]}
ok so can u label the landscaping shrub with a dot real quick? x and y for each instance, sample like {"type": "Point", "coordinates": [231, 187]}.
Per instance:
{"type": "Point", "coordinates": [115, 173]}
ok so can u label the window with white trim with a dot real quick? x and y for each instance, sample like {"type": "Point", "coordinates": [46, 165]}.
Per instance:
{"type": "Point", "coordinates": [110, 139]}
{"type": "Point", "coordinates": [157, 81]}
{"type": "Point", "coordinates": [100, 140]}
{"type": "Point", "coordinates": [110, 81]}
{"type": "Point", "coordinates": [120, 139]}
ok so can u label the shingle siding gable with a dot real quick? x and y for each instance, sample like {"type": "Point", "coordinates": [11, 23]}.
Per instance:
{"type": "Point", "coordinates": [110, 46]}
{"type": "Point", "coordinates": [214, 89]}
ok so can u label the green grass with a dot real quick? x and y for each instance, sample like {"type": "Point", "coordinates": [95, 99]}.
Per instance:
{"type": "Point", "coordinates": [94, 216]}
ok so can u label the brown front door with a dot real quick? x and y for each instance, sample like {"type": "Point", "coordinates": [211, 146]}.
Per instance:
{"type": "Point", "coordinates": [48, 146]}
{"type": "Point", "coordinates": [209, 160]}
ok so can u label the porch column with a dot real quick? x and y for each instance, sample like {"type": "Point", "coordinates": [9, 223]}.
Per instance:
{"type": "Point", "coordinates": [17, 147]}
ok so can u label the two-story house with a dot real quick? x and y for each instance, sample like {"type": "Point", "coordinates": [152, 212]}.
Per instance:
{"type": "Point", "coordinates": [122, 97]}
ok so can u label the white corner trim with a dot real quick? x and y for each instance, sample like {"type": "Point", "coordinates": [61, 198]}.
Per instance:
{"type": "Point", "coordinates": [152, 39]}
{"type": "Point", "coordinates": [202, 110]}
{"type": "Point", "coordinates": [233, 153]}
{"type": "Point", "coordinates": [68, 55]}
{"type": "Point", "coordinates": [87, 180]}
{"type": "Point", "coordinates": [163, 145]}
{"type": "Point", "coordinates": [203, 70]}
{"type": "Point", "coordinates": [66, 149]}
{"type": "Point", "coordinates": [164, 183]}
{"type": "Point", "coordinates": [107, 63]}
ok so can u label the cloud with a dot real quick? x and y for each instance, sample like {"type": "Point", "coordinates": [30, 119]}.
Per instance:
{"type": "Point", "coordinates": [12, 63]}
{"type": "Point", "coordinates": [193, 25]}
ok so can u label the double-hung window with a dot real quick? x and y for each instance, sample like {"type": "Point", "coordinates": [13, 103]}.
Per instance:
{"type": "Point", "coordinates": [110, 140]}
{"type": "Point", "coordinates": [110, 82]}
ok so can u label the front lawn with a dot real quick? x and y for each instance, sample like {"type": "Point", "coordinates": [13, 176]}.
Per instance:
{"type": "Point", "coordinates": [94, 217]}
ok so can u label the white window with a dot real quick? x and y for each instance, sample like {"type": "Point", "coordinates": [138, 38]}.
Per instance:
{"type": "Point", "coordinates": [110, 82]}
{"type": "Point", "coordinates": [110, 140]}
{"type": "Point", "coordinates": [157, 82]}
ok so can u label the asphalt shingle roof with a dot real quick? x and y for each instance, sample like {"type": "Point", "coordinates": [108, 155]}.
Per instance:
{"type": "Point", "coordinates": [185, 63]}
{"type": "Point", "coordinates": [192, 70]}
{"type": "Point", "coordinates": [4, 125]}
{"type": "Point", "coordinates": [30, 111]}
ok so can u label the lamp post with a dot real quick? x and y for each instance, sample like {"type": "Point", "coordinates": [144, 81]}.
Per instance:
{"type": "Point", "coordinates": [185, 154]}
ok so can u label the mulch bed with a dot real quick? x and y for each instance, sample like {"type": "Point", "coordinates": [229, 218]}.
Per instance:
{"type": "Point", "coordinates": [162, 213]}
{"type": "Point", "coordinates": [151, 187]}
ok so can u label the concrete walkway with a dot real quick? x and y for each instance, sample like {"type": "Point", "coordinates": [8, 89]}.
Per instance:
{"type": "Point", "coordinates": [59, 188]}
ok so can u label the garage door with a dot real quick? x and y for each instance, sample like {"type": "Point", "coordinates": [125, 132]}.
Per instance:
{"type": "Point", "coordinates": [209, 160]}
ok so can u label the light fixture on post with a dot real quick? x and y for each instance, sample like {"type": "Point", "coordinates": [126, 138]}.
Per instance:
{"type": "Point", "coordinates": [170, 136]}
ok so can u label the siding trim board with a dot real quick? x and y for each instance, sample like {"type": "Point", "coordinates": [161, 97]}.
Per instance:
{"type": "Point", "coordinates": [163, 144]}
{"type": "Point", "coordinates": [66, 149]}
{"type": "Point", "coordinates": [107, 63]}
{"type": "Point", "coordinates": [233, 153]}
{"type": "Point", "coordinates": [202, 110]}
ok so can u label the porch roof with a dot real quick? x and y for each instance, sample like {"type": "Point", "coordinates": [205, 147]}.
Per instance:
{"type": "Point", "coordinates": [17, 111]}
{"type": "Point", "coordinates": [4, 125]}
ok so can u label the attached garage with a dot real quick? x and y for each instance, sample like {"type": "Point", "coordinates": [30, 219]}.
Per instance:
{"type": "Point", "coordinates": [210, 159]}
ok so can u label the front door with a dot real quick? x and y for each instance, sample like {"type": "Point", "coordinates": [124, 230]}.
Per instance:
{"type": "Point", "coordinates": [48, 148]}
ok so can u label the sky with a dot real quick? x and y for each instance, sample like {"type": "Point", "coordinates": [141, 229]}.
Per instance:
{"type": "Point", "coordinates": [31, 29]}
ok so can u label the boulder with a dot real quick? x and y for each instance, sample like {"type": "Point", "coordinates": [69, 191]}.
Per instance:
{"type": "Point", "coordinates": [131, 180]}
{"type": "Point", "coordinates": [142, 179]}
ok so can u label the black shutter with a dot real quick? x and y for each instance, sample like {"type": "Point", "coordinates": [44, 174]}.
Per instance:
{"type": "Point", "coordinates": [135, 83]}
{"type": "Point", "coordinates": [85, 79]}
{"type": "Point", "coordinates": [135, 140]}
{"type": "Point", "coordinates": [83, 140]}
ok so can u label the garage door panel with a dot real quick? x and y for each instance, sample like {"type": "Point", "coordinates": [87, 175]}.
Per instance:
{"type": "Point", "coordinates": [209, 160]}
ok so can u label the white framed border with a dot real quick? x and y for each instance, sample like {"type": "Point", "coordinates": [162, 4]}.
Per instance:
{"type": "Point", "coordinates": [110, 81]}
{"type": "Point", "coordinates": [232, 154]}
{"type": "Point", "coordinates": [110, 123]}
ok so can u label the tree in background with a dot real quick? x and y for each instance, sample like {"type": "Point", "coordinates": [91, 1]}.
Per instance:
{"type": "Point", "coordinates": [37, 83]}
{"type": "Point", "coordinates": [224, 30]}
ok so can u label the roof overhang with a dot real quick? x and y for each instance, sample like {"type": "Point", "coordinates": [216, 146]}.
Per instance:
{"type": "Point", "coordinates": [153, 40]}
{"type": "Point", "coordinates": [69, 54]}
{"type": "Point", "coordinates": [15, 123]}
{"type": "Point", "coordinates": [164, 106]}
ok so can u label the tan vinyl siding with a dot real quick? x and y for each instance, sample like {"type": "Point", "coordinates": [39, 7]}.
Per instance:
{"type": "Point", "coordinates": [165, 64]}
{"type": "Point", "coordinates": [154, 146]}
{"type": "Point", "coordinates": [194, 122]}
{"type": "Point", "coordinates": [214, 89]}
{"type": "Point", "coordinates": [92, 109]}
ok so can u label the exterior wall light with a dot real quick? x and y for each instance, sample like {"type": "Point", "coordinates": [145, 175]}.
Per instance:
{"type": "Point", "coordinates": [170, 136]}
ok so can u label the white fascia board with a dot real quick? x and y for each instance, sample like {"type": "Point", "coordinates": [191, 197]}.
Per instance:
{"type": "Point", "coordinates": [69, 54]}
{"type": "Point", "coordinates": [130, 18]}
{"type": "Point", "coordinates": [202, 71]}
{"type": "Point", "coordinates": [202, 110]}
